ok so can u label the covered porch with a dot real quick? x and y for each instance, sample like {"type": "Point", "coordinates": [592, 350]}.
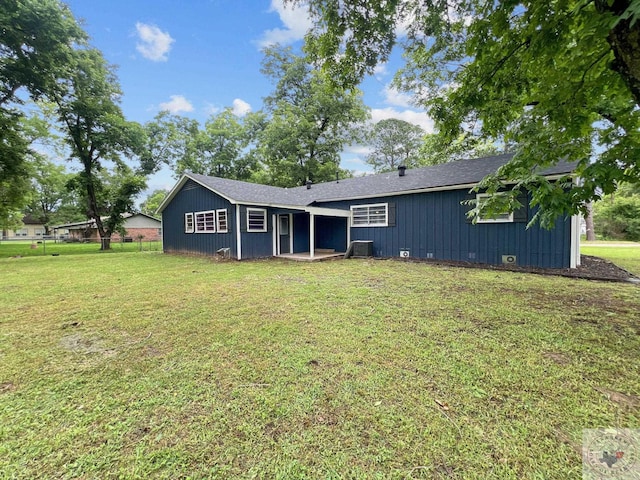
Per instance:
{"type": "Point", "coordinates": [318, 256]}
{"type": "Point", "coordinates": [313, 234]}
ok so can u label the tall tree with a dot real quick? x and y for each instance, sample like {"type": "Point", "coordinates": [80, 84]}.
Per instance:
{"type": "Point", "coordinates": [38, 37]}
{"type": "Point", "coordinates": [14, 170]}
{"type": "Point", "coordinates": [434, 150]}
{"type": "Point", "coordinates": [394, 142]}
{"type": "Point", "coordinates": [311, 121]}
{"type": "Point", "coordinates": [98, 134]}
{"type": "Point", "coordinates": [170, 141]}
{"type": "Point", "coordinates": [152, 202]}
{"type": "Point", "coordinates": [50, 193]}
{"type": "Point", "coordinates": [559, 79]}
{"type": "Point", "coordinates": [218, 148]}
{"type": "Point", "coordinates": [223, 148]}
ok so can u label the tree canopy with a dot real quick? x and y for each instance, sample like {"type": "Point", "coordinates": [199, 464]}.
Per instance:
{"type": "Point", "coordinates": [98, 136]}
{"type": "Point", "coordinates": [310, 121]}
{"type": "Point", "coordinates": [37, 41]}
{"type": "Point", "coordinates": [394, 142]}
{"type": "Point", "coordinates": [557, 80]}
{"type": "Point", "coordinates": [153, 201]}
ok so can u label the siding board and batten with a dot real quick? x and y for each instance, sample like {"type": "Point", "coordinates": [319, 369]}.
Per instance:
{"type": "Point", "coordinates": [425, 216]}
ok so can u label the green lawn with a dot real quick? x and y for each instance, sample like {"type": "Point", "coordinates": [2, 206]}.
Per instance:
{"type": "Point", "coordinates": [12, 248]}
{"type": "Point", "coordinates": [138, 365]}
{"type": "Point", "coordinates": [623, 254]}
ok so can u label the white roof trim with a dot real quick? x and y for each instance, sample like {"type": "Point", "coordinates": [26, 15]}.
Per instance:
{"type": "Point", "coordinates": [328, 212]}
{"type": "Point", "coordinates": [178, 186]}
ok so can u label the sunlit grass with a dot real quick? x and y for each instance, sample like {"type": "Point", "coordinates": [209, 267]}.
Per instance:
{"type": "Point", "coordinates": [139, 364]}
{"type": "Point", "coordinates": [627, 257]}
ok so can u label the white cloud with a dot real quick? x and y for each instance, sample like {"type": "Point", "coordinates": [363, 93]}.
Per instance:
{"type": "Point", "coordinates": [240, 107]}
{"type": "Point", "coordinates": [177, 104]}
{"type": "Point", "coordinates": [211, 109]}
{"type": "Point", "coordinates": [296, 22]}
{"type": "Point", "coordinates": [380, 70]}
{"type": "Point", "coordinates": [411, 116]}
{"type": "Point", "coordinates": [393, 96]}
{"type": "Point", "coordinates": [154, 43]}
{"type": "Point", "coordinates": [360, 150]}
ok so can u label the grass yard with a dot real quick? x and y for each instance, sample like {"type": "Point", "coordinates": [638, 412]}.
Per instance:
{"type": "Point", "coordinates": [13, 248]}
{"type": "Point", "coordinates": [140, 365]}
{"type": "Point", "coordinates": [623, 254]}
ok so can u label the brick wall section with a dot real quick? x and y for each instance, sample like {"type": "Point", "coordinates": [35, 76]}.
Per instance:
{"type": "Point", "coordinates": [149, 234]}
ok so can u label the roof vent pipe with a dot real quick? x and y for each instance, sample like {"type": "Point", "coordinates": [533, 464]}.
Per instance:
{"type": "Point", "coordinates": [309, 182]}
{"type": "Point", "coordinates": [401, 170]}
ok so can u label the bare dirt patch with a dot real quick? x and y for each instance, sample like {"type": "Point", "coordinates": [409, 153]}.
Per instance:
{"type": "Point", "coordinates": [78, 343]}
{"type": "Point", "coordinates": [7, 387]}
{"type": "Point", "coordinates": [559, 358]}
{"type": "Point", "coordinates": [619, 398]}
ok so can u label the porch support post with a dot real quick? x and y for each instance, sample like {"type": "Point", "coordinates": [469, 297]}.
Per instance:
{"type": "Point", "coordinates": [312, 235]}
{"type": "Point", "coordinates": [238, 234]}
{"type": "Point", "coordinates": [348, 233]}
{"type": "Point", "coordinates": [291, 233]}
{"type": "Point", "coordinates": [274, 238]}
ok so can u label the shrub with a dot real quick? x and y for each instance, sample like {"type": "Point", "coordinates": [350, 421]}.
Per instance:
{"type": "Point", "coordinates": [618, 217]}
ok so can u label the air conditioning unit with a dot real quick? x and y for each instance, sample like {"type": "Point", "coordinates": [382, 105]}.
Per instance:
{"type": "Point", "coordinates": [405, 253]}
{"type": "Point", "coordinates": [509, 259]}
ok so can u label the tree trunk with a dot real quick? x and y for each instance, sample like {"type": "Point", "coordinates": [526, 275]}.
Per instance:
{"type": "Point", "coordinates": [624, 39]}
{"type": "Point", "coordinates": [591, 234]}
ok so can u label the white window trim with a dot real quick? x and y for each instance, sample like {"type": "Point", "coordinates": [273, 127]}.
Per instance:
{"type": "Point", "coordinates": [263, 212]}
{"type": "Point", "coordinates": [204, 212]}
{"type": "Point", "coordinates": [369, 206]}
{"type": "Point", "coordinates": [219, 229]}
{"type": "Point", "coordinates": [508, 219]}
{"type": "Point", "coordinates": [186, 223]}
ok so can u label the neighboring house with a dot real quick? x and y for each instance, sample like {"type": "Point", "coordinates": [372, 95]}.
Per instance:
{"type": "Point", "coordinates": [31, 229]}
{"type": "Point", "coordinates": [136, 225]}
{"type": "Point", "coordinates": [415, 213]}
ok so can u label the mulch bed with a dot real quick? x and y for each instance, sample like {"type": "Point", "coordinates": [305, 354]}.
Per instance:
{"type": "Point", "coordinates": [591, 268]}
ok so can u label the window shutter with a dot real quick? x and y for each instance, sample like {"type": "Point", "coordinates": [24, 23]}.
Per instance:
{"type": "Point", "coordinates": [243, 218]}
{"type": "Point", "coordinates": [391, 214]}
{"type": "Point", "coordinates": [522, 214]}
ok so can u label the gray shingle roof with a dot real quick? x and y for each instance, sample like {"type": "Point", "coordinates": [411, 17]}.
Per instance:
{"type": "Point", "coordinates": [452, 174]}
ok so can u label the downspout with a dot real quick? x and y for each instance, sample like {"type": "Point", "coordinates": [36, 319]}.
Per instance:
{"type": "Point", "coordinates": [574, 261]}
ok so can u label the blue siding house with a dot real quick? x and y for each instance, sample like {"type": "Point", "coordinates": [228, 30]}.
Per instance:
{"type": "Point", "coordinates": [414, 213]}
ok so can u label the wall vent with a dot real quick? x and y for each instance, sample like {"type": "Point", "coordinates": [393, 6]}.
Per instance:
{"type": "Point", "coordinates": [405, 253]}
{"type": "Point", "coordinates": [429, 254]}
{"type": "Point", "coordinates": [509, 259]}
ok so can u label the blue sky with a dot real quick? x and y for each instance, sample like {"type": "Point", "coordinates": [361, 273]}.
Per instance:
{"type": "Point", "coordinates": [196, 57]}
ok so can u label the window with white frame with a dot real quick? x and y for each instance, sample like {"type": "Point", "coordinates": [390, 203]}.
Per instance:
{"type": "Point", "coordinates": [206, 222]}
{"type": "Point", "coordinates": [39, 232]}
{"type": "Point", "coordinates": [375, 215]}
{"type": "Point", "coordinates": [23, 232]}
{"type": "Point", "coordinates": [256, 220]}
{"type": "Point", "coordinates": [495, 218]}
{"type": "Point", "coordinates": [222, 224]}
{"type": "Point", "coordinates": [188, 223]}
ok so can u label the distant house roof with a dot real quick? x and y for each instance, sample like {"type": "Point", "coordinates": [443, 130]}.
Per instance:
{"type": "Point", "coordinates": [29, 219]}
{"type": "Point", "coordinates": [91, 223]}
{"type": "Point", "coordinates": [452, 175]}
